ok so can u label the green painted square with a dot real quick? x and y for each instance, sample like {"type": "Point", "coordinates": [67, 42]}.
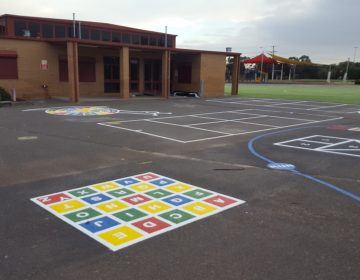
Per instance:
{"type": "Point", "coordinates": [120, 192]}
{"type": "Point", "coordinates": [130, 215]}
{"type": "Point", "coordinates": [82, 192]}
{"type": "Point", "coordinates": [159, 193]}
{"type": "Point", "coordinates": [82, 215]}
{"type": "Point", "coordinates": [198, 193]}
{"type": "Point", "coordinates": [177, 216]}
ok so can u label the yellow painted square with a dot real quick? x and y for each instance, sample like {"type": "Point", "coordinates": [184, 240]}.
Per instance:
{"type": "Point", "coordinates": [154, 207]}
{"type": "Point", "coordinates": [142, 187]}
{"type": "Point", "coordinates": [199, 208]}
{"type": "Point", "coordinates": [107, 186]}
{"type": "Point", "coordinates": [120, 235]}
{"type": "Point", "coordinates": [112, 206]}
{"type": "Point", "coordinates": [179, 187]}
{"type": "Point", "coordinates": [67, 206]}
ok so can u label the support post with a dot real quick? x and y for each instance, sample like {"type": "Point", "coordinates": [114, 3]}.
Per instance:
{"type": "Point", "coordinates": [73, 71]}
{"type": "Point", "coordinates": [165, 77]}
{"type": "Point", "coordinates": [124, 72]}
{"type": "Point", "coordinates": [235, 75]}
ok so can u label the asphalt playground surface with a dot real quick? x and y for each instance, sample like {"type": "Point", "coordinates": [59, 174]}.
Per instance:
{"type": "Point", "coordinates": [302, 223]}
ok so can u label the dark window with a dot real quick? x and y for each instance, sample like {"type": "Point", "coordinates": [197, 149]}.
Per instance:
{"type": "Point", "coordinates": [19, 27]}
{"type": "Point", "coordinates": [169, 42]}
{"type": "Point", "coordinates": [63, 70]}
{"type": "Point", "coordinates": [87, 70]}
{"type": "Point", "coordinates": [84, 33]}
{"type": "Point", "coordinates": [116, 37]}
{"type": "Point", "coordinates": [60, 31]}
{"type": "Point", "coordinates": [2, 26]}
{"type": "Point", "coordinates": [153, 41]}
{"type": "Point", "coordinates": [95, 35]}
{"type": "Point", "coordinates": [34, 29]}
{"type": "Point", "coordinates": [8, 67]}
{"type": "Point", "coordinates": [184, 74]}
{"type": "Point", "coordinates": [48, 31]}
{"type": "Point", "coordinates": [105, 35]}
{"type": "Point", "coordinates": [126, 38]}
{"type": "Point", "coordinates": [144, 40]}
{"type": "Point", "coordinates": [161, 42]}
{"type": "Point", "coordinates": [135, 39]}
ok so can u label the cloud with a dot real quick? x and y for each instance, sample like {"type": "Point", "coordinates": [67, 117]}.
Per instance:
{"type": "Point", "coordinates": [327, 30]}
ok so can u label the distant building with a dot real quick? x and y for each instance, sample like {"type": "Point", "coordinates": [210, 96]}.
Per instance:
{"type": "Point", "coordinates": [42, 57]}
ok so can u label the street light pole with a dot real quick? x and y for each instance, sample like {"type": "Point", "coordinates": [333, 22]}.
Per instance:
{"type": "Point", "coordinates": [273, 65]}
{"type": "Point", "coordinates": [262, 63]}
{"type": "Point", "coordinates": [347, 70]}
{"type": "Point", "coordinates": [355, 51]}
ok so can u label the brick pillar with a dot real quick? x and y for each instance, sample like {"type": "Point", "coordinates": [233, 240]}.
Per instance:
{"type": "Point", "coordinates": [165, 76]}
{"type": "Point", "coordinates": [124, 72]}
{"type": "Point", "coordinates": [73, 71]}
{"type": "Point", "coordinates": [235, 75]}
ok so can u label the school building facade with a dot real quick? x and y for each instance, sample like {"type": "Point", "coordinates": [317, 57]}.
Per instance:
{"type": "Point", "coordinates": [43, 57]}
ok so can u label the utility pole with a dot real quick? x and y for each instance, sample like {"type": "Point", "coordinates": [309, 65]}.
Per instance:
{"type": "Point", "coordinates": [166, 37]}
{"type": "Point", "coordinates": [273, 65]}
{"type": "Point", "coordinates": [355, 51]}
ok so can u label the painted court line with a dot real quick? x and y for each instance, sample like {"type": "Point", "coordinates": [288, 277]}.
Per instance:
{"type": "Point", "coordinates": [125, 211]}
{"type": "Point", "coordinates": [326, 148]}
{"type": "Point", "coordinates": [214, 131]}
{"type": "Point", "coordinates": [275, 105]}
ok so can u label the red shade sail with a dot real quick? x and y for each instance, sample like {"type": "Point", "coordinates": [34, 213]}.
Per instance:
{"type": "Point", "coordinates": [260, 58]}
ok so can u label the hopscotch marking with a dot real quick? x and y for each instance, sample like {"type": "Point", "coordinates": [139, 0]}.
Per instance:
{"type": "Point", "coordinates": [213, 120]}
{"type": "Point", "coordinates": [328, 144]}
{"type": "Point", "coordinates": [125, 211]}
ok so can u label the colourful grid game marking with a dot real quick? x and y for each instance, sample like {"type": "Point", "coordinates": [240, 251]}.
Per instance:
{"type": "Point", "coordinates": [125, 211]}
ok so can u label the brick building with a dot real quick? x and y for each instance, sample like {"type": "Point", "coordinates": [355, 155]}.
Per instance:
{"type": "Point", "coordinates": [43, 57]}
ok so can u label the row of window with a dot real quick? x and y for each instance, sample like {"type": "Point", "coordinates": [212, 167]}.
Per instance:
{"type": "Point", "coordinates": [87, 70]}
{"type": "Point", "coordinates": [46, 30]}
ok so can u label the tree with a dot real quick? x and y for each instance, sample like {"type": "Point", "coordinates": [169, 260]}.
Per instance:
{"type": "Point", "coordinates": [304, 58]}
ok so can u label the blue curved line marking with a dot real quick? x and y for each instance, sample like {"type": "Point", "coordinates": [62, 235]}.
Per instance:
{"type": "Point", "coordinates": [296, 172]}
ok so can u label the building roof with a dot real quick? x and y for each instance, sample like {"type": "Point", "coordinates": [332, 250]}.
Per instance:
{"type": "Point", "coordinates": [87, 23]}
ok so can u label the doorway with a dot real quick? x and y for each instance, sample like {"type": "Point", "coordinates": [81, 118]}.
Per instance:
{"type": "Point", "coordinates": [111, 74]}
{"type": "Point", "coordinates": [152, 77]}
{"type": "Point", "coordinates": [134, 75]}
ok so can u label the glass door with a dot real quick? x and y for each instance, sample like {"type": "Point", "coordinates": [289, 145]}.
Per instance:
{"type": "Point", "coordinates": [152, 77]}
{"type": "Point", "coordinates": [111, 74]}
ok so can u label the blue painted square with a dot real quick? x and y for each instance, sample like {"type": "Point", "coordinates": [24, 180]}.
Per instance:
{"type": "Point", "coordinates": [93, 199]}
{"type": "Point", "coordinates": [127, 181]}
{"type": "Point", "coordinates": [162, 182]}
{"type": "Point", "coordinates": [177, 200]}
{"type": "Point", "coordinates": [99, 224]}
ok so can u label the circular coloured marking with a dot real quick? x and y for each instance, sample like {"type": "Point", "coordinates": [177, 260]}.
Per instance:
{"type": "Point", "coordinates": [281, 166]}
{"type": "Point", "coordinates": [82, 111]}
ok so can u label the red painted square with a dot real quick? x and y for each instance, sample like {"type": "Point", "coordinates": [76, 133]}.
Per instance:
{"type": "Point", "coordinates": [136, 199]}
{"type": "Point", "coordinates": [147, 177]}
{"type": "Point", "coordinates": [151, 225]}
{"type": "Point", "coordinates": [220, 200]}
{"type": "Point", "coordinates": [53, 198]}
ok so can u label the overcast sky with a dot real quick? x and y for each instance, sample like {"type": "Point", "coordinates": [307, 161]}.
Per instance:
{"type": "Point", "coordinates": [326, 30]}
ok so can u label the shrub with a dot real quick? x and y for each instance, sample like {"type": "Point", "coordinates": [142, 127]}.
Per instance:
{"type": "Point", "coordinates": [4, 95]}
{"type": "Point", "coordinates": [357, 82]}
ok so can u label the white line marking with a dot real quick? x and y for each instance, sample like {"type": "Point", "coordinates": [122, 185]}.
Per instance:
{"type": "Point", "coordinates": [323, 149]}
{"type": "Point", "coordinates": [142, 132]}
{"type": "Point", "coordinates": [214, 131]}
{"type": "Point", "coordinates": [187, 126]}
{"type": "Point", "coordinates": [333, 106]}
